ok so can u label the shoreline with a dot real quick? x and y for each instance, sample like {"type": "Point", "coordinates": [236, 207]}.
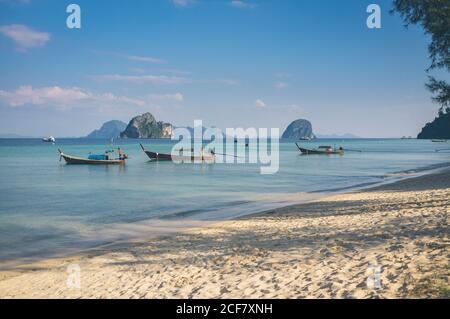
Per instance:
{"type": "Point", "coordinates": [161, 227]}
{"type": "Point", "coordinates": [334, 209]}
{"type": "Point", "coordinates": [139, 231]}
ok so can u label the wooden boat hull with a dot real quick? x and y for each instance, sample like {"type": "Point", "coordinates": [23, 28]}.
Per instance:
{"type": "Point", "coordinates": [306, 151]}
{"type": "Point", "coordinates": [154, 156]}
{"type": "Point", "coordinates": [315, 152]}
{"type": "Point", "coordinates": [73, 160]}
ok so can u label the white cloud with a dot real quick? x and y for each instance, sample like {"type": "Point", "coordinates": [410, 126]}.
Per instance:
{"type": "Point", "coordinates": [24, 37]}
{"type": "Point", "coordinates": [62, 97]}
{"type": "Point", "coordinates": [145, 59]}
{"type": "Point", "coordinates": [177, 97]}
{"type": "Point", "coordinates": [242, 4]}
{"type": "Point", "coordinates": [182, 3]}
{"type": "Point", "coordinates": [260, 103]}
{"type": "Point", "coordinates": [139, 79]}
{"type": "Point", "coordinates": [140, 58]}
{"type": "Point", "coordinates": [295, 107]}
{"type": "Point", "coordinates": [15, 1]}
{"type": "Point", "coordinates": [281, 85]}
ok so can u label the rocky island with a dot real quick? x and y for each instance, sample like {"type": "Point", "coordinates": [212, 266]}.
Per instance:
{"type": "Point", "coordinates": [299, 129]}
{"type": "Point", "coordinates": [146, 126]}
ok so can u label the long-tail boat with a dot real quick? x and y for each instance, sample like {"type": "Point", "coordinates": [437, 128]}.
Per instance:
{"type": "Point", "coordinates": [155, 156]}
{"type": "Point", "coordinates": [92, 159]}
{"type": "Point", "coordinates": [439, 141]}
{"type": "Point", "coordinates": [322, 150]}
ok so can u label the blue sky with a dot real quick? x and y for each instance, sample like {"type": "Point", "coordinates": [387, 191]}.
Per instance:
{"type": "Point", "coordinates": [230, 63]}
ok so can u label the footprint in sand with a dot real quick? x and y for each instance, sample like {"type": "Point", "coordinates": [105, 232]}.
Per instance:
{"type": "Point", "coordinates": [224, 290]}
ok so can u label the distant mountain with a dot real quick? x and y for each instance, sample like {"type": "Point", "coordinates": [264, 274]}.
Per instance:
{"type": "Point", "coordinates": [438, 129]}
{"type": "Point", "coordinates": [110, 129]}
{"type": "Point", "coordinates": [146, 126]}
{"type": "Point", "coordinates": [347, 135]}
{"type": "Point", "coordinates": [299, 129]}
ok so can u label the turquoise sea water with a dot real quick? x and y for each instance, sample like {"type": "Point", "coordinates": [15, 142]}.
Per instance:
{"type": "Point", "coordinates": [50, 208]}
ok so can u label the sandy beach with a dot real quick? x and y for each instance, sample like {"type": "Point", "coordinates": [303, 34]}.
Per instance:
{"type": "Point", "coordinates": [390, 241]}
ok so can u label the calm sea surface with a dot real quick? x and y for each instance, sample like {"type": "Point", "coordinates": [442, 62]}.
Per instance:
{"type": "Point", "coordinates": [50, 208]}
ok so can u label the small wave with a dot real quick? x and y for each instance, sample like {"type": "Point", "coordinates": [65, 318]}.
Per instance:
{"type": "Point", "coordinates": [344, 188]}
{"type": "Point", "coordinates": [184, 213]}
{"type": "Point", "coordinates": [193, 212]}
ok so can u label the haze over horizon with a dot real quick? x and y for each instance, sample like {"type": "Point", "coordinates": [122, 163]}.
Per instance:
{"type": "Point", "coordinates": [253, 64]}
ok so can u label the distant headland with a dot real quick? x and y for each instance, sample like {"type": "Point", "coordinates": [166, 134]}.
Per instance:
{"type": "Point", "coordinates": [439, 128]}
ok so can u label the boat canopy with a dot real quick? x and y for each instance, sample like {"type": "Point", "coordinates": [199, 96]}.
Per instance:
{"type": "Point", "coordinates": [97, 157]}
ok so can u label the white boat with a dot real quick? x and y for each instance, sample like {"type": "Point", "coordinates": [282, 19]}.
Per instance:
{"type": "Point", "coordinates": [49, 139]}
